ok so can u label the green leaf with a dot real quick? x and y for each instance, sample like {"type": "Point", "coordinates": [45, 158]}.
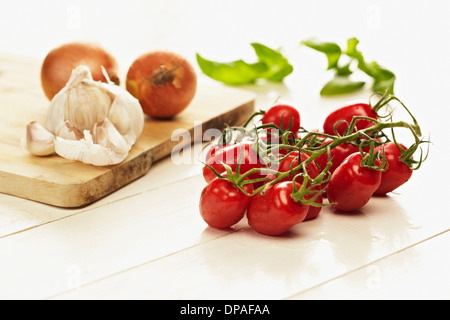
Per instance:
{"type": "Point", "coordinates": [271, 65]}
{"type": "Point", "coordinates": [383, 79]}
{"type": "Point", "coordinates": [341, 85]}
{"type": "Point", "coordinates": [384, 82]}
{"type": "Point", "coordinates": [233, 73]}
{"type": "Point", "coordinates": [330, 49]}
{"type": "Point", "coordinates": [279, 66]}
{"type": "Point", "coordinates": [344, 71]}
{"type": "Point", "coordinates": [371, 69]}
{"type": "Point", "coordinates": [352, 43]}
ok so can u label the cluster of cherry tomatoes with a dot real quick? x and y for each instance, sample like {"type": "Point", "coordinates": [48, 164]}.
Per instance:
{"type": "Point", "coordinates": [278, 174]}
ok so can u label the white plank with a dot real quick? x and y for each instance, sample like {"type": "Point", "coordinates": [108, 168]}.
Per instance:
{"type": "Point", "coordinates": [419, 272]}
{"type": "Point", "coordinates": [245, 265]}
{"type": "Point", "coordinates": [17, 214]}
{"type": "Point", "coordinates": [105, 240]}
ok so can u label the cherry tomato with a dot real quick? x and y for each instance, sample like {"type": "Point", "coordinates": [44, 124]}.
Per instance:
{"type": "Point", "coordinates": [213, 149]}
{"type": "Point", "coordinates": [314, 211]}
{"type": "Point", "coordinates": [338, 154]}
{"type": "Point", "coordinates": [397, 173]}
{"type": "Point", "coordinates": [222, 204]}
{"type": "Point", "coordinates": [274, 212]}
{"type": "Point", "coordinates": [230, 155]}
{"type": "Point", "coordinates": [283, 113]}
{"type": "Point", "coordinates": [346, 115]}
{"type": "Point", "coordinates": [351, 185]}
{"type": "Point", "coordinates": [291, 161]}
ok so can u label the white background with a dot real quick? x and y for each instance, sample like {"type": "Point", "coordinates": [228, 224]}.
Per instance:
{"type": "Point", "coordinates": [408, 37]}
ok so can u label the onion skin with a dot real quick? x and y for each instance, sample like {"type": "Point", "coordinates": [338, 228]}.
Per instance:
{"type": "Point", "coordinates": [164, 83]}
{"type": "Point", "coordinates": [59, 63]}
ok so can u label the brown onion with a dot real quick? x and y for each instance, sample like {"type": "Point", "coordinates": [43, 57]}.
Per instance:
{"type": "Point", "coordinates": [59, 63]}
{"type": "Point", "coordinates": [164, 83]}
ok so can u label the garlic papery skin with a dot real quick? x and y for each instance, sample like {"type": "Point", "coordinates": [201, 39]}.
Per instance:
{"type": "Point", "coordinates": [69, 132]}
{"type": "Point", "coordinates": [86, 151]}
{"type": "Point", "coordinates": [38, 140]}
{"type": "Point", "coordinates": [107, 136]}
{"type": "Point", "coordinates": [94, 122]}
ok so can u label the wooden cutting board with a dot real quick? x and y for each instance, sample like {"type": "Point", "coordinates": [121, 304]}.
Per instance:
{"type": "Point", "coordinates": [64, 183]}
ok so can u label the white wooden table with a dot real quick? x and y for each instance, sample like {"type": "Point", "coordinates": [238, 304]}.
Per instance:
{"type": "Point", "coordinates": [148, 241]}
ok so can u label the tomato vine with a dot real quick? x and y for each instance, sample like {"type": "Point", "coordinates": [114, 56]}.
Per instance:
{"type": "Point", "coordinates": [309, 142]}
{"type": "Point", "coordinates": [287, 173]}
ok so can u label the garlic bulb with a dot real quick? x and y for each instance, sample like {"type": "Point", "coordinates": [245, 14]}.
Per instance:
{"type": "Point", "coordinates": [93, 122]}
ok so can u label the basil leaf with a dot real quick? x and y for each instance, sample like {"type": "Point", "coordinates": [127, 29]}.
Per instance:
{"type": "Point", "coordinates": [371, 69]}
{"type": "Point", "coordinates": [344, 71]}
{"type": "Point", "coordinates": [383, 79]}
{"type": "Point", "coordinates": [352, 43]}
{"type": "Point", "coordinates": [341, 85]}
{"type": "Point", "coordinates": [233, 73]}
{"type": "Point", "coordinates": [271, 65]}
{"type": "Point", "coordinates": [330, 49]}
{"type": "Point", "coordinates": [279, 67]}
{"type": "Point", "coordinates": [384, 82]}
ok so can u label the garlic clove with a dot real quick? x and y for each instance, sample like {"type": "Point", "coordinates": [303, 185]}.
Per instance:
{"type": "Point", "coordinates": [69, 132]}
{"type": "Point", "coordinates": [107, 136]}
{"type": "Point", "coordinates": [127, 116]}
{"type": "Point", "coordinates": [86, 105]}
{"type": "Point", "coordinates": [125, 113]}
{"type": "Point", "coordinates": [119, 116]}
{"type": "Point", "coordinates": [38, 140]}
{"type": "Point", "coordinates": [86, 151]}
{"type": "Point", "coordinates": [55, 113]}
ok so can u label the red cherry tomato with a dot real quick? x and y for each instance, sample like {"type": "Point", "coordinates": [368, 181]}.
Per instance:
{"type": "Point", "coordinates": [274, 212]}
{"type": "Point", "coordinates": [351, 186]}
{"type": "Point", "coordinates": [222, 204]}
{"type": "Point", "coordinates": [314, 211]}
{"type": "Point", "coordinates": [230, 155]}
{"type": "Point", "coordinates": [290, 162]}
{"type": "Point", "coordinates": [346, 115]}
{"type": "Point", "coordinates": [283, 113]}
{"type": "Point", "coordinates": [338, 154]}
{"type": "Point", "coordinates": [213, 149]}
{"type": "Point", "coordinates": [397, 173]}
